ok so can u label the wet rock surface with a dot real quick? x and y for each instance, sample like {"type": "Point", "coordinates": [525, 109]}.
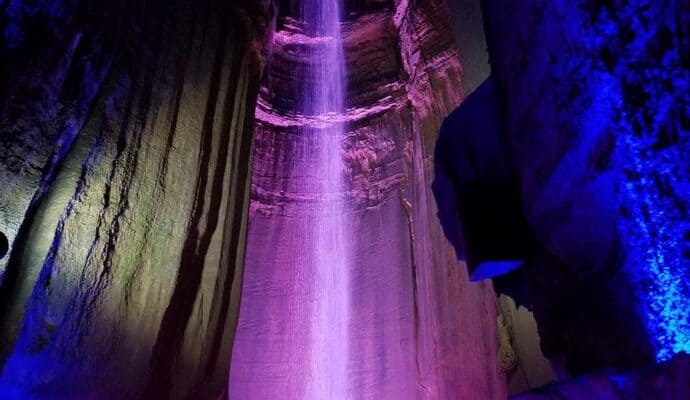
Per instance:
{"type": "Point", "coordinates": [126, 134]}
{"type": "Point", "coordinates": [420, 329]}
{"type": "Point", "coordinates": [598, 154]}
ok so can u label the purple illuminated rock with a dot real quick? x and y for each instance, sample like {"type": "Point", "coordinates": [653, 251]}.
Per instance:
{"type": "Point", "coordinates": [417, 327]}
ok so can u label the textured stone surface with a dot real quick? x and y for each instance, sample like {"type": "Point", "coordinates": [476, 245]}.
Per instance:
{"type": "Point", "coordinates": [477, 193]}
{"type": "Point", "coordinates": [126, 134]}
{"type": "Point", "coordinates": [468, 26]}
{"type": "Point", "coordinates": [597, 122]}
{"type": "Point", "coordinates": [666, 381]}
{"type": "Point", "coordinates": [533, 369]}
{"type": "Point", "coordinates": [596, 129]}
{"type": "Point", "coordinates": [419, 329]}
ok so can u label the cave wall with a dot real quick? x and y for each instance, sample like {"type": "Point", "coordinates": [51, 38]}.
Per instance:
{"type": "Point", "coordinates": [595, 97]}
{"type": "Point", "coordinates": [419, 328]}
{"type": "Point", "coordinates": [467, 22]}
{"type": "Point", "coordinates": [125, 130]}
{"type": "Point", "coordinates": [532, 368]}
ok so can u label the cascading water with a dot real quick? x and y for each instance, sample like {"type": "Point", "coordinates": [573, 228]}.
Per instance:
{"type": "Point", "coordinates": [292, 339]}
{"type": "Point", "coordinates": [323, 103]}
{"type": "Point", "coordinates": [357, 296]}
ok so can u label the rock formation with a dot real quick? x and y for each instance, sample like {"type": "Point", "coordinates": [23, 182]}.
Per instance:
{"type": "Point", "coordinates": [125, 130]}
{"type": "Point", "coordinates": [419, 328]}
{"type": "Point", "coordinates": [593, 103]}
{"type": "Point", "coordinates": [665, 381]}
{"type": "Point", "coordinates": [133, 178]}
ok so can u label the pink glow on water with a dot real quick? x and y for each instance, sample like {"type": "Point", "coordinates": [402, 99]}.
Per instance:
{"type": "Point", "coordinates": [325, 98]}
{"type": "Point", "coordinates": [346, 294]}
{"type": "Point", "coordinates": [294, 330]}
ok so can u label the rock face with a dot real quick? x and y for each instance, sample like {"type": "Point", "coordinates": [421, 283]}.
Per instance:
{"type": "Point", "coordinates": [597, 122]}
{"type": "Point", "coordinates": [596, 126]}
{"type": "Point", "coordinates": [532, 368]}
{"type": "Point", "coordinates": [468, 27]}
{"type": "Point", "coordinates": [418, 329]}
{"type": "Point", "coordinates": [126, 134]}
{"type": "Point", "coordinates": [476, 190]}
{"type": "Point", "coordinates": [665, 381]}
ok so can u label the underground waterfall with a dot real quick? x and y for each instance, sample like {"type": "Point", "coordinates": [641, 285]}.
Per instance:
{"type": "Point", "coordinates": [319, 310]}
{"type": "Point", "coordinates": [349, 289]}
{"type": "Point", "coordinates": [300, 199]}
{"type": "Point", "coordinates": [323, 105]}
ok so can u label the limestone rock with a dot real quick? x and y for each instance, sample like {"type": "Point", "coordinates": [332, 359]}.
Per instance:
{"type": "Point", "coordinates": [666, 381]}
{"type": "Point", "coordinates": [594, 99]}
{"type": "Point", "coordinates": [420, 329]}
{"type": "Point", "coordinates": [126, 136]}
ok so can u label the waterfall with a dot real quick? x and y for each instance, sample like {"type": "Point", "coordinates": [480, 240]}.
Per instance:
{"type": "Point", "coordinates": [293, 337]}
{"type": "Point", "coordinates": [323, 103]}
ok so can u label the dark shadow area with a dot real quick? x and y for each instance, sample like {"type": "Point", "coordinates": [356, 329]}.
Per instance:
{"type": "Point", "coordinates": [4, 245]}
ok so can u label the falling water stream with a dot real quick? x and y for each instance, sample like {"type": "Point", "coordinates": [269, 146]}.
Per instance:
{"type": "Point", "coordinates": [323, 100]}
{"type": "Point", "coordinates": [293, 337]}
{"type": "Point", "coordinates": [336, 302]}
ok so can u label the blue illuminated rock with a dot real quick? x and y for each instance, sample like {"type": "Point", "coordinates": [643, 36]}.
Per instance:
{"type": "Point", "coordinates": [595, 107]}
{"type": "Point", "coordinates": [665, 381]}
